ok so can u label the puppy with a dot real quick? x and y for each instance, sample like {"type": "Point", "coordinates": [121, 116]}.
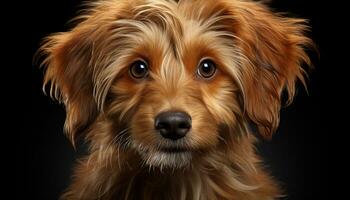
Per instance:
{"type": "Point", "coordinates": [165, 91]}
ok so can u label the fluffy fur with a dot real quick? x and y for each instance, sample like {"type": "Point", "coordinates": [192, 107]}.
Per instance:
{"type": "Point", "coordinates": [258, 55]}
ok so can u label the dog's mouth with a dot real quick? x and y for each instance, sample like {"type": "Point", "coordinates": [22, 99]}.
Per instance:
{"type": "Point", "coordinates": [167, 156]}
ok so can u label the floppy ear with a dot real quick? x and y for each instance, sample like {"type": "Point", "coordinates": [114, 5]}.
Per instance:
{"type": "Point", "coordinates": [274, 47]}
{"type": "Point", "coordinates": [69, 75]}
{"type": "Point", "coordinates": [75, 62]}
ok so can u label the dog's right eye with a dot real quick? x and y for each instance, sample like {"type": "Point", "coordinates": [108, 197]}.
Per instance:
{"type": "Point", "coordinates": [206, 69]}
{"type": "Point", "coordinates": [139, 69]}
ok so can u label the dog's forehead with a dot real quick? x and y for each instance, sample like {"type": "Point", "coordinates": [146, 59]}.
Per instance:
{"type": "Point", "coordinates": [181, 23]}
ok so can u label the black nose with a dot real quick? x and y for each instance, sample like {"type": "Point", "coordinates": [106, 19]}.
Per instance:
{"type": "Point", "coordinates": [173, 125]}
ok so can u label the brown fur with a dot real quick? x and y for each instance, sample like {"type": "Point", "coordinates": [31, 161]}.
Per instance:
{"type": "Point", "coordinates": [258, 55]}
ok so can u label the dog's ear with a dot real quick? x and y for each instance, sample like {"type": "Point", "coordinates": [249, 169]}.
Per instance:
{"type": "Point", "coordinates": [68, 74]}
{"type": "Point", "coordinates": [274, 49]}
{"type": "Point", "coordinates": [74, 61]}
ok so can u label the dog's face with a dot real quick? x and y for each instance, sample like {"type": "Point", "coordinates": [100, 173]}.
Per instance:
{"type": "Point", "coordinates": [175, 79]}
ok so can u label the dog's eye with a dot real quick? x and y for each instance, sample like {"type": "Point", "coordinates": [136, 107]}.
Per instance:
{"type": "Point", "coordinates": [139, 69]}
{"type": "Point", "coordinates": [206, 69]}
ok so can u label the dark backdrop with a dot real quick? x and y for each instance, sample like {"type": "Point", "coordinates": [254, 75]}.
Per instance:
{"type": "Point", "coordinates": [44, 158]}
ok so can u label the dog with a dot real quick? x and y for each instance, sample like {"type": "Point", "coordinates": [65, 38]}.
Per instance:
{"type": "Point", "coordinates": [165, 93]}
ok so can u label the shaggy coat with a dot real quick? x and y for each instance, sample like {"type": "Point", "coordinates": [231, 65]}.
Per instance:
{"type": "Point", "coordinates": [257, 55]}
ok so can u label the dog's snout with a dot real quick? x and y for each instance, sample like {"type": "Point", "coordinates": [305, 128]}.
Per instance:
{"type": "Point", "coordinates": [173, 125]}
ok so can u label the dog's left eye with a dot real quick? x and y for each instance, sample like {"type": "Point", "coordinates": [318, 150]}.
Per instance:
{"type": "Point", "coordinates": [206, 69]}
{"type": "Point", "coordinates": [139, 69]}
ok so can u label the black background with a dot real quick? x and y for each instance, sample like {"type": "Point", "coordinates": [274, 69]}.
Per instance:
{"type": "Point", "coordinates": [43, 158]}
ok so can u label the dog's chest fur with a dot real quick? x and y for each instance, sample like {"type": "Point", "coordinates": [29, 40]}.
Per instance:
{"type": "Point", "coordinates": [215, 178]}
